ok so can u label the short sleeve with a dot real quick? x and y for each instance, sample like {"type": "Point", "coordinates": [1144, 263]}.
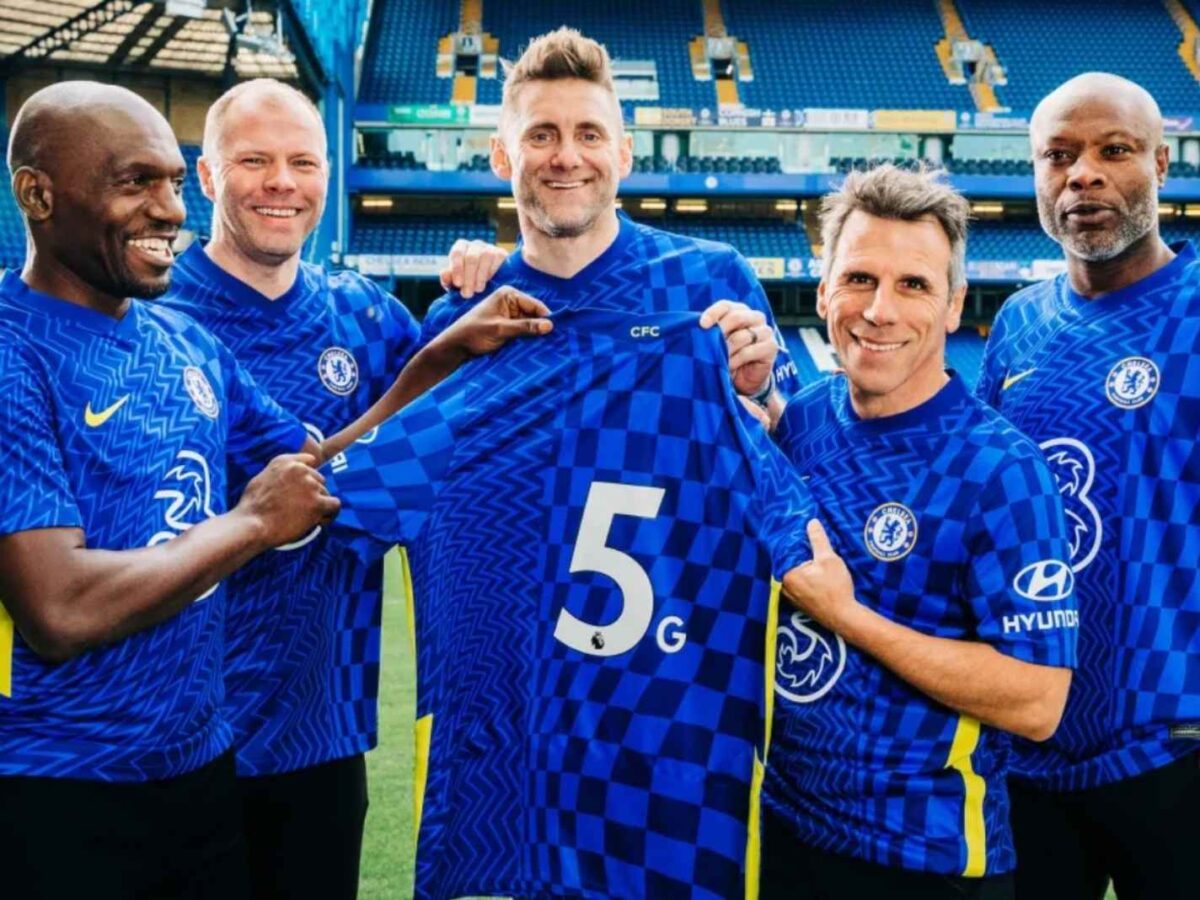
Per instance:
{"type": "Point", "coordinates": [401, 332]}
{"type": "Point", "coordinates": [259, 429]}
{"type": "Point", "coordinates": [35, 491]}
{"type": "Point", "coordinates": [1019, 579]}
{"type": "Point", "coordinates": [388, 483]}
{"type": "Point", "coordinates": [749, 290]}
{"type": "Point", "coordinates": [444, 312]}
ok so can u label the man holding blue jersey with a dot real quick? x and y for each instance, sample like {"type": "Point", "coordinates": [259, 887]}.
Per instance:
{"type": "Point", "coordinates": [562, 145]}
{"type": "Point", "coordinates": [943, 621]}
{"type": "Point", "coordinates": [1099, 367]}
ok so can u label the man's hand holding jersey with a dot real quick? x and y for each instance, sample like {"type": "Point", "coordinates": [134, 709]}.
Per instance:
{"type": "Point", "coordinates": [751, 344]}
{"type": "Point", "coordinates": [749, 339]}
{"type": "Point", "coordinates": [491, 323]}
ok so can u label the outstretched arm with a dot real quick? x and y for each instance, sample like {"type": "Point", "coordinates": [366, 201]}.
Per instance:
{"type": "Point", "coordinates": [486, 327]}
{"type": "Point", "coordinates": [66, 598]}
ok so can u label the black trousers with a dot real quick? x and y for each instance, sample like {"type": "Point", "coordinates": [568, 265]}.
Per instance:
{"type": "Point", "coordinates": [176, 839]}
{"type": "Point", "coordinates": [793, 871]}
{"type": "Point", "coordinates": [304, 830]}
{"type": "Point", "coordinates": [1143, 833]}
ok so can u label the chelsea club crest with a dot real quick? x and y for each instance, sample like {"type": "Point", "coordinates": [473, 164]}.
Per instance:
{"type": "Point", "coordinates": [338, 370]}
{"type": "Point", "coordinates": [891, 532]}
{"type": "Point", "coordinates": [1132, 382]}
{"type": "Point", "coordinates": [201, 392]}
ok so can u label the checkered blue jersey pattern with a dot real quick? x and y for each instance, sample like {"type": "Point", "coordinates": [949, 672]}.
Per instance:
{"type": "Point", "coordinates": [645, 270]}
{"type": "Point", "coordinates": [592, 521]}
{"type": "Point", "coordinates": [1110, 389]}
{"type": "Point", "coordinates": [302, 628]}
{"type": "Point", "coordinates": [950, 523]}
{"type": "Point", "coordinates": [122, 428]}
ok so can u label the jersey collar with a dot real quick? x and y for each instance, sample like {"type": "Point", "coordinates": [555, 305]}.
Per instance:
{"type": "Point", "coordinates": [951, 395]}
{"type": "Point", "coordinates": [1185, 255]}
{"type": "Point", "coordinates": [23, 296]}
{"type": "Point", "coordinates": [195, 271]}
{"type": "Point", "coordinates": [626, 231]}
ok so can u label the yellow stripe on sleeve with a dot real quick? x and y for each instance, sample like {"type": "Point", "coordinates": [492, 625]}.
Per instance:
{"type": "Point", "coordinates": [966, 740]}
{"type": "Point", "coordinates": [424, 735]}
{"type": "Point", "coordinates": [6, 652]}
{"type": "Point", "coordinates": [754, 826]}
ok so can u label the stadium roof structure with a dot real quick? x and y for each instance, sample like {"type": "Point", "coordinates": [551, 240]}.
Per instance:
{"type": "Point", "coordinates": [148, 36]}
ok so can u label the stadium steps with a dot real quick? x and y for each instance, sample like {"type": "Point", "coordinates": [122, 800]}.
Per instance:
{"type": "Point", "coordinates": [982, 93]}
{"type": "Point", "coordinates": [714, 27]}
{"type": "Point", "coordinates": [1190, 31]}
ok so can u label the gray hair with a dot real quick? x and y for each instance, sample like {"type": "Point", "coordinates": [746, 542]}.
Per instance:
{"type": "Point", "coordinates": [888, 192]}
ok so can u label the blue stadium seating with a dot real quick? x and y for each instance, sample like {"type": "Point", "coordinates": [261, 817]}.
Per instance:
{"type": "Point", "coordinates": [630, 29]}
{"type": "Point", "coordinates": [414, 235]}
{"type": "Point", "coordinates": [862, 55]}
{"type": "Point", "coordinates": [806, 368]}
{"type": "Point", "coordinates": [1022, 241]}
{"type": "Point", "coordinates": [199, 207]}
{"type": "Point", "coordinates": [400, 63]}
{"type": "Point", "coordinates": [964, 354]}
{"type": "Point", "coordinates": [1042, 45]}
{"type": "Point", "coordinates": [753, 237]}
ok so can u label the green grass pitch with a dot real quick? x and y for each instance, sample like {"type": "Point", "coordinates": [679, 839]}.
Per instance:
{"type": "Point", "coordinates": [387, 858]}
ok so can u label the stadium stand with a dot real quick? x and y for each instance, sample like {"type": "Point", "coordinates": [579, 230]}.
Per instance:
{"type": "Point", "coordinates": [199, 208]}
{"type": "Point", "coordinates": [629, 28]}
{"type": "Point", "coordinates": [400, 63]}
{"type": "Point", "coordinates": [1040, 47]}
{"type": "Point", "coordinates": [964, 354]}
{"type": "Point", "coordinates": [1021, 241]}
{"type": "Point", "coordinates": [414, 235]}
{"type": "Point", "coordinates": [752, 237]}
{"type": "Point", "coordinates": [861, 55]}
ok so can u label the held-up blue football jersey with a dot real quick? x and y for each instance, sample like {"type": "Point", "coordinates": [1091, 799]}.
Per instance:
{"type": "Point", "coordinates": [302, 629]}
{"type": "Point", "coordinates": [950, 523]}
{"type": "Point", "coordinates": [121, 428]}
{"type": "Point", "coordinates": [592, 522]}
{"type": "Point", "coordinates": [1110, 389]}
{"type": "Point", "coordinates": [645, 270]}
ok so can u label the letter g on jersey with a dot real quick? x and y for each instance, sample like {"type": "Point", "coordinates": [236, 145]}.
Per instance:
{"type": "Point", "coordinates": [1047, 581]}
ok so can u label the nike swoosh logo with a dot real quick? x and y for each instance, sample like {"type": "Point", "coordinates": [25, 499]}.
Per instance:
{"type": "Point", "coordinates": [1013, 379]}
{"type": "Point", "coordinates": [96, 419]}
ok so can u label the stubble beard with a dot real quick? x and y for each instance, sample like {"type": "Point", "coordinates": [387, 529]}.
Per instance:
{"type": "Point", "coordinates": [1103, 245]}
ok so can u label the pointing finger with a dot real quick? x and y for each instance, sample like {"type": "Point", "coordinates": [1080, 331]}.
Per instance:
{"type": "Point", "coordinates": [821, 547]}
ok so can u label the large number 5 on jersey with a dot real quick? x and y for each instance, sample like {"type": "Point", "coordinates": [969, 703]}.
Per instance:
{"type": "Point", "coordinates": [606, 499]}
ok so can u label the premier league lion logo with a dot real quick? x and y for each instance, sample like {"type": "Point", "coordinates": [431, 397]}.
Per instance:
{"type": "Point", "coordinates": [809, 659]}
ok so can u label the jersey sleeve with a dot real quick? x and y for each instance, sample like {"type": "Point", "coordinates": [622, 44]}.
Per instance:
{"type": "Point", "coordinates": [259, 428]}
{"type": "Point", "coordinates": [444, 312]}
{"type": "Point", "coordinates": [749, 290]}
{"type": "Point", "coordinates": [388, 484]}
{"type": "Point", "coordinates": [401, 330]}
{"type": "Point", "coordinates": [35, 491]}
{"type": "Point", "coordinates": [782, 502]}
{"type": "Point", "coordinates": [1019, 579]}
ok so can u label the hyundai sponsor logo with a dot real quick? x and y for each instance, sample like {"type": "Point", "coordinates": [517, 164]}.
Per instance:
{"type": "Point", "coordinates": [1047, 581]}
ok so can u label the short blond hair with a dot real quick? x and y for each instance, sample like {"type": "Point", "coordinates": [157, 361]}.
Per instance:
{"type": "Point", "coordinates": [270, 89]}
{"type": "Point", "coordinates": [888, 192]}
{"type": "Point", "coordinates": [563, 53]}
